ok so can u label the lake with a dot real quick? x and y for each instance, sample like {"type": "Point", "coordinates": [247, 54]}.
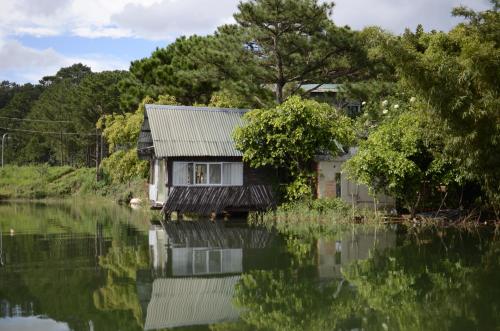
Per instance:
{"type": "Point", "coordinates": [89, 266]}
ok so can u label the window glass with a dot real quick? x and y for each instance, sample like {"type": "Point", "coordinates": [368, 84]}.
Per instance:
{"type": "Point", "coordinates": [182, 173]}
{"type": "Point", "coordinates": [200, 173]}
{"type": "Point", "coordinates": [215, 173]}
{"type": "Point", "coordinates": [199, 261]}
{"type": "Point", "coordinates": [214, 261]}
{"type": "Point", "coordinates": [226, 173]}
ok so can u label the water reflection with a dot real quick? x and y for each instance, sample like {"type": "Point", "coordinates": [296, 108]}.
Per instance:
{"type": "Point", "coordinates": [75, 267]}
{"type": "Point", "coordinates": [335, 254]}
{"type": "Point", "coordinates": [197, 266]}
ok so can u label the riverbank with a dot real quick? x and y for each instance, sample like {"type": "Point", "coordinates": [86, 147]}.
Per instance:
{"type": "Point", "coordinates": [40, 182]}
{"type": "Point", "coordinates": [328, 216]}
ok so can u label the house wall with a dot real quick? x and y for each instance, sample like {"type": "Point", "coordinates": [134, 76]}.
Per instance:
{"type": "Point", "coordinates": [251, 176]}
{"type": "Point", "coordinates": [157, 183]}
{"type": "Point", "coordinates": [350, 191]}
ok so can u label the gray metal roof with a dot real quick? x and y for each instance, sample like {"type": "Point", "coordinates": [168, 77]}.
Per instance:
{"type": "Point", "coordinates": [321, 89]}
{"type": "Point", "coordinates": [191, 301]}
{"type": "Point", "coordinates": [193, 131]}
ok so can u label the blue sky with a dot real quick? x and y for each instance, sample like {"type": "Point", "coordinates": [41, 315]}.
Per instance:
{"type": "Point", "coordinates": [37, 37]}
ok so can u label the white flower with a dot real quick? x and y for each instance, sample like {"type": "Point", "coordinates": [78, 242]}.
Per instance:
{"type": "Point", "coordinates": [385, 111]}
{"type": "Point", "coordinates": [413, 99]}
{"type": "Point", "coordinates": [396, 106]}
{"type": "Point", "coordinates": [363, 103]}
{"type": "Point", "coordinates": [384, 103]}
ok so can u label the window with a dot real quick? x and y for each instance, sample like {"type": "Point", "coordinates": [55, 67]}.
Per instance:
{"type": "Point", "coordinates": [207, 173]}
{"type": "Point", "coordinates": [200, 174]}
{"type": "Point", "coordinates": [215, 170]}
{"type": "Point", "coordinates": [206, 261]}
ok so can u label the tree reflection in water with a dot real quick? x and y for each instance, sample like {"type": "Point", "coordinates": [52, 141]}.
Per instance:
{"type": "Point", "coordinates": [443, 281]}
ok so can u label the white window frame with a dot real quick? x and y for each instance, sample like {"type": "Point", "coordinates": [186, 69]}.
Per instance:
{"type": "Point", "coordinates": [208, 173]}
{"type": "Point", "coordinates": [207, 252]}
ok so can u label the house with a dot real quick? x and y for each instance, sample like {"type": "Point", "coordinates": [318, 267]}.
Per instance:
{"type": "Point", "coordinates": [197, 266]}
{"type": "Point", "coordinates": [331, 181]}
{"type": "Point", "coordinates": [194, 164]}
{"type": "Point", "coordinates": [329, 93]}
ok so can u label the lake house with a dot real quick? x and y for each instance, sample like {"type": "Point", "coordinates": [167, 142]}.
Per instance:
{"type": "Point", "coordinates": [194, 164]}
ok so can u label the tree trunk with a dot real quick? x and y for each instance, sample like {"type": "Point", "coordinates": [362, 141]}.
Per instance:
{"type": "Point", "coordinates": [279, 93]}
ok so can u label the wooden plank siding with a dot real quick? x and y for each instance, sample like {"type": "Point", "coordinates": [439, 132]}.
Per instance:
{"type": "Point", "coordinates": [217, 199]}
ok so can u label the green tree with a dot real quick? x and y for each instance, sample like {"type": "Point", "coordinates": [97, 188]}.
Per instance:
{"type": "Point", "coordinates": [295, 42]}
{"type": "Point", "coordinates": [456, 73]}
{"type": "Point", "coordinates": [193, 68]}
{"type": "Point", "coordinates": [71, 102]}
{"type": "Point", "coordinates": [122, 132]}
{"type": "Point", "coordinates": [290, 135]}
{"type": "Point", "coordinates": [402, 156]}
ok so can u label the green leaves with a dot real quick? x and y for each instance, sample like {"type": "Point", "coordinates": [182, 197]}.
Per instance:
{"type": "Point", "coordinates": [290, 135]}
{"type": "Point", "coordinates": [400, 155]}
{"type": "Point", "coordinates": [457, 74]}
{"type": "Point", "coordinates": [121, 133]}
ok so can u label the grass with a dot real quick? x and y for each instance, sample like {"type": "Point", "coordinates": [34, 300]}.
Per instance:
{"type": "Point", "coordinates": [326, 217]}
{"type": "Point", "coordinates": [316, 217]}
{"type": "Point", "coordinates": [45, 182]}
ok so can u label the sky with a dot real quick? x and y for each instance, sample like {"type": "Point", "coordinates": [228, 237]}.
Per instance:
{"type": "Point", "coordinates": [37, 37]}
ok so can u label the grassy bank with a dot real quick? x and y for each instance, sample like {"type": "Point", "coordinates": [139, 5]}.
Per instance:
{"type": "Point", "coordinates": [45, 182]}
{"type": "Point", "coordinates": [316, 217]}
{"type": "Point", "coordinates": [329, 216]}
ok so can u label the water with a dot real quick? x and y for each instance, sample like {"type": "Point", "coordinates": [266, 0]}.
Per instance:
{"type": "Point", "coordinates": [94, 267]}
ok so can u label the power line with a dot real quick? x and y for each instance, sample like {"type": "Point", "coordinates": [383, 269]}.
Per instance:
{"type": "Point", "coordinates": [33, 120]}
{"type": "Point", "coordinates": [52, 132]}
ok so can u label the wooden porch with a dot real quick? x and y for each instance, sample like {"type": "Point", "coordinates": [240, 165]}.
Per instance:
{"type": "Point", "coordinates": [217, 199]}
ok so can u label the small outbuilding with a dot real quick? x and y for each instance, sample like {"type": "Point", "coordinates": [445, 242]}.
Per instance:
{"type": "Point", "coordinates": [331, 181]}
{"type": "Point", "coordinates": [194, 164]}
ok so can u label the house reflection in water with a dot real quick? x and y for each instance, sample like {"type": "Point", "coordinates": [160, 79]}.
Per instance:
{"type": "Point", "coordinates": [197, 265]}
{"type": "Point", "coordinates": [336, 254]}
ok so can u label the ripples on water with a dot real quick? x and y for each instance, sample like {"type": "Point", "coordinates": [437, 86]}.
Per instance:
{"type": "Point", "coordinates": [95, 267]}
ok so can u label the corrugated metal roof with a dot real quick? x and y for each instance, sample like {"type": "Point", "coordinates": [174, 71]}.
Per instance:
{"type": "Point", "coordinates": [193, 131]}
{"type": "Point", "coordinates": [323, 88]}
{"type": "Point", "coordinates": [191, 301]}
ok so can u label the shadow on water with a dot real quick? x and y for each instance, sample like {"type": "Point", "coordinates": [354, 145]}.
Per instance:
{"type": "Point", "coordinates": [75, 267]}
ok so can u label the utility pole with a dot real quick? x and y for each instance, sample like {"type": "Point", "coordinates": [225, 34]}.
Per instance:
{"type": "Point", "coordinates": [3, 143]}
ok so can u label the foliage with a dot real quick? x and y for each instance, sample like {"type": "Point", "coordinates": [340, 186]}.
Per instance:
{"type": "Point", "coordinates": [401, 155]}
{"type": "Point", "coordinates": [290, 135]}
{"type": "Point", "coordinates": [431, 286]}
{"type": "Point", "coordinates": [313, 218]}
{"type": "Point", "coordinates": [69, 104]}
{"type": "Point", "coordinates": [294, 42]}
{"type": "Point", "coordinates": [120, 293]}
{"type": "Point", "coordinates": [192, 69]}
{"type": "Point", "coordinates": [121, 133]}
{"type": "Point", "coordinates": [123, 166]}
{"type": "Point", "coordinates": [60, 273]}
{"type": "Point", "coordinates": [456, 73]}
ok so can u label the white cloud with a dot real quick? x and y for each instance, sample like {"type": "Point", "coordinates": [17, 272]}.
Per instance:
{"type": "Point", "coordinates": [396, 15]}
{"type": "Point", "coordinates": [169, 19]}
{"type": "Point", "coordinates": [150, 19]}
{"type": "Point", "coordinates": [24, 64]}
